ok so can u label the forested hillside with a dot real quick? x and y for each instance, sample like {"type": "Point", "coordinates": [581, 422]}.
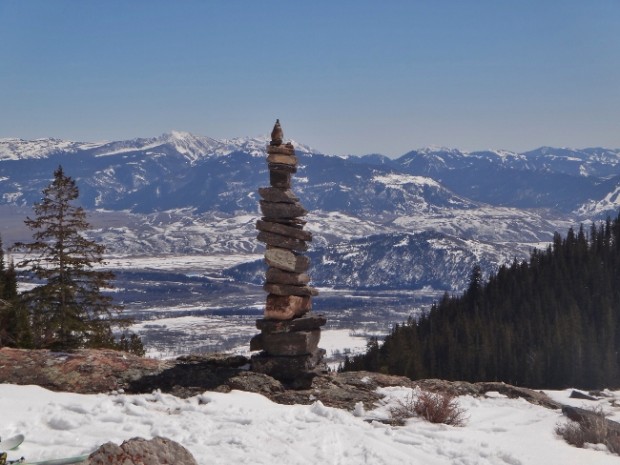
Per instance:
{"type": "Point", "coordinates": [551, 322]}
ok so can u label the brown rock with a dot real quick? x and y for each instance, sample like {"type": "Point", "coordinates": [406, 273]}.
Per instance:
{"type": "Point", "coordinates": [307, 322]}
{"type": "Point", "coordinates": [82, 371]}
{"type": "Point", "coordinates": [277, 135]}
{"type": "Point", "coordinates": [282, 167]}
{"type": "Point", "coordinates": [286, 260]}
{"type": "Point", "coordinates": [277, 276]}
{"type": "Point", "coordinates": [286, 368]}
{"type": "Point", "coordinates": [292, 343]}
{"type": "Point", "coordinates": [274, 194]}
{"type": "Point", "coordinates": [139, 451]}
{"type": "Point", "coordinates": [282, 242]}
{"type": "Point", "coordinates": [286, 307]}
{"type": "Point", "coordinates": [282, 159]}
{"type": "Point", "coordinates": [256, 343]}
{"type": "Point", "coordinates": [297, 223]}
{"type": "Point", "coordinates": [284, 230]}
{"type": "Point", "coordinates": [280, 179]}
{"type": "Point", "coordinates": [287, 289]}
{"type": "Point", "coordinates": [282, 210]}
{"type": "Point", "coordinates": [287, 149]}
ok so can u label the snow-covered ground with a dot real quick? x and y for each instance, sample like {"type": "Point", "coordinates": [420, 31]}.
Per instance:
{"type": "Point", "coordinates": [245, 428]}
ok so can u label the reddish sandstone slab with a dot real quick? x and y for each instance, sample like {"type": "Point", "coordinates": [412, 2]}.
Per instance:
{"type": "Point", "coordinates": [287, 307]}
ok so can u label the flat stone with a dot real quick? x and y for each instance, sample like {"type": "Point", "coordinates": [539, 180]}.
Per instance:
{"type": "Point", "coordinates": [282, 210]}
{"type": "Point", "coordinates": [286, 260]}
{"type": "Point", "coordinates": [274, 194]}
{"type": "Point", "coordinates": [291, 343]}
{"type": "Point", "coordinates": [280, 179]}
{"type": "Point", "coordinates": [281, 149]}
{"type": "Point", "coordinates": [278, 276]}
{"type": "Point", "coordinates": [281, 241]}
{"type": "Point", "coordinates": [285, 368]}
{"type": "Point", "coordinates": [286, 307]}
{"type": "Point", "coordinates": [307, 322]}
{"type": "Point", "coordinates": [289, 231]}
{"type": "Point", "coordinates": [288, 289]}
{"type": "Point", "coordinates": [281, 167]}
{"type": "Point", "coordinates": [282, 159]}
{"type": "Point", "coordinates": [297, 223]}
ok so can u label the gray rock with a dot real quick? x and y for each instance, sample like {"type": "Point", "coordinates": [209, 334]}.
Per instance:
{"type": "Point", "coordinates": [277, 276]}
{"type": "Point", "coordinates": [286, 260]}
{"type": "Point", "coordinates": [280, 179]}
{"type": "Point", "coordinates": [307, 322]}
{"type": "Point", "coordinates": [283, 242]}
{"type": "Point", "coordinates": [139, 451]}
{"type": "Point", "coordinates": [291, 343]}
{"type": "Point", "coordinates": [282, 210]}
{"type": "Point", "coordinates": [294, 232]}
{"type": "Point", "coordinates": [274, 194]}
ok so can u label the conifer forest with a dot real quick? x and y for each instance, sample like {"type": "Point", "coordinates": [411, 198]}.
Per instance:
{"type": "Point", "coordinates": [550, 322]}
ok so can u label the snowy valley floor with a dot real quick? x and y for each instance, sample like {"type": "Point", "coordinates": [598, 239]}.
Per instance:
{"type": "Point", "coordinates": [245, 428]}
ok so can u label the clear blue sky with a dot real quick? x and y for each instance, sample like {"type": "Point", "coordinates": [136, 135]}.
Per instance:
{"type": "Point", "coordinates": [346, 77]}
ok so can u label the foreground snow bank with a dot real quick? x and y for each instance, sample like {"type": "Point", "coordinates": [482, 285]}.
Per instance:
{"type": "Point", "coordinates": [245, 428]}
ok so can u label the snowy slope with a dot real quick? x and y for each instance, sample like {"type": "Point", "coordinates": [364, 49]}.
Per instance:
{"type": "Point", "coordinates": [245, 428]}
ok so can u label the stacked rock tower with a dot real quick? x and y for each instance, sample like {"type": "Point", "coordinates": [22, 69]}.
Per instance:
{"type": "Point", "coordinates": [290, 333]}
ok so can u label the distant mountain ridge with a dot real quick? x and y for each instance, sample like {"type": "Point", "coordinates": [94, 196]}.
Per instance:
{"type": "Point", "coordinates": [179, 193]}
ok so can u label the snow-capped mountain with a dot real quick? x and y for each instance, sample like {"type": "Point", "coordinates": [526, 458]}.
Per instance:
{"type": "Point", "coordinates": [396, 261]}
{"type": "Point", "coordinates": [185, 194]}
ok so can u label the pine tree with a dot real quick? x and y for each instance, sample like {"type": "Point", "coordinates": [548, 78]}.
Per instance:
{"type": "Point", "coordinates": [14, 324]}
{"type": "Point", "coordinates": [68, 310]}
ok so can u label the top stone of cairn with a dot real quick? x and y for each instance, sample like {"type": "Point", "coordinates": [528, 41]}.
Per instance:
{"type": "Point", "coordinates": [277, 135]}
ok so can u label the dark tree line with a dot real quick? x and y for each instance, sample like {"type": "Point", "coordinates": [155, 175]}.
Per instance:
{"type": "Point", "coordinates": [14, 324]}
{"type": "Point", "coordinates": [551, 322]}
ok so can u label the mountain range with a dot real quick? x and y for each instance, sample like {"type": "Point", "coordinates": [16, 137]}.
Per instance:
{"type": "Point", "coordinates": [423, 219]}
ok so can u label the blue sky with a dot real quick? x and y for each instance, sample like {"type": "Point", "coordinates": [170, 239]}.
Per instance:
{"type": "Point", "coordinates": [346, 77]}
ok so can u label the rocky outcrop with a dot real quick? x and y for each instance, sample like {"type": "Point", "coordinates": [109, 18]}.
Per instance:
{"type": "Point", "coordinates": [139, 451]}
{"type": "Point", "coordinates": [102, 371]}
{"type": "Point", "coordinates": [83, 371]}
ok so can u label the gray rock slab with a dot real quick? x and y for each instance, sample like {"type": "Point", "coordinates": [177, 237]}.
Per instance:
{"type": "Point", "coordinates": [307, 322]}
{"type": "Point", "coordinates": [286, 260]}
{"type": "Point", "coordinates": [283, 242]}
{"type": "Point", "coordinates": [294, 232]}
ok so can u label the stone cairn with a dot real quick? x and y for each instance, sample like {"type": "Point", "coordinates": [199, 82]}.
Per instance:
{"type": "Point", "coordinates": [290, 333]}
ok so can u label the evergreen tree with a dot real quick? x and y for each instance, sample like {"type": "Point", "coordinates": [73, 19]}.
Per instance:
{"type": "Point", "coordinates": [14, 324]}
{"type": "Point", "coordinates": [68, 310]}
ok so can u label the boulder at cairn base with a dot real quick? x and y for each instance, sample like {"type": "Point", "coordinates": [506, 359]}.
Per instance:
{"type": "Point", "coordinates": [288, 344]}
